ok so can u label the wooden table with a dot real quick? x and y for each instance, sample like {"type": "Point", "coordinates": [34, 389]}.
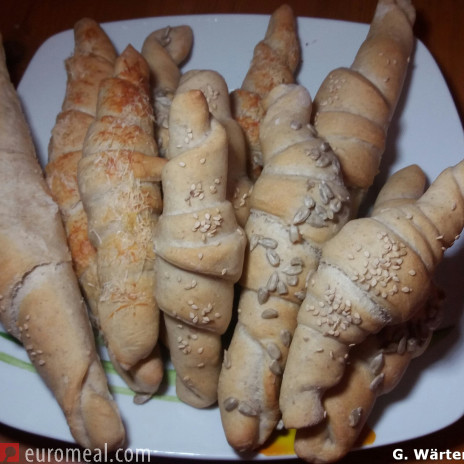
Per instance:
{"type": "Point", "coordinates": [26, 24]}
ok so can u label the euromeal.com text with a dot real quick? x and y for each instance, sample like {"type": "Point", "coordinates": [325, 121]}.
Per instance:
{"type": "Point", "coordinates": [10, 452]}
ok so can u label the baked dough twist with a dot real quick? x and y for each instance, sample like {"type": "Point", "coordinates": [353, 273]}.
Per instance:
{"type": "Point", "coordinates": [118, 178]}
{"type": "Point", "coordinates": [377, 364]}
{"type": "Point", "coordinates": [375, 272]}
{"type": "Point", "coordinates": [199, 248]}
{"type": "Point", "coordinates": [354, 106]}
{"type": "Point", "coordinates": [214, 87]}
{"type": "Point", "coordinates": [275, 61]}
{"type": "Point", "coordinates": [165, 50]}
{"type": "Point", "coordinates": [297, 203]}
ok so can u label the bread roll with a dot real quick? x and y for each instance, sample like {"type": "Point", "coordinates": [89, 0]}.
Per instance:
{"type": "Point", "coordinates": [214, 87]}
{"type": "Point", "coordinates": [165, 50]}
{"type": "Point", "coordinates": [199, 247]}
{"type": "Point", "coordinates": [297, 203]}
{"type": "Point", "coordinates": [375, 272]}
{"type": "Point", "coordinates": [275, 61]}
{"type": "Point", "coordinates": [377, 365]}
{"type": "Point", "coordinates": [354, 106]}
{"type": "Point", "coordinates": [118, 177]}
{"type": "Point", "coordinates": [41, 303]}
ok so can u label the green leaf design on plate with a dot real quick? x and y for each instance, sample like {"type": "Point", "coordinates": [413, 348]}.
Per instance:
{"type": "Point", "coordinates": [10, 338]}
{"type": "Point", "coordinates": [107, 366]}
{"type": "Point", "coordinates": [13, 361]}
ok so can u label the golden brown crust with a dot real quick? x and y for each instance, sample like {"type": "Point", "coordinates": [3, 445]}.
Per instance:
{"type": "Point", "coordinates": [275, 61]}
{"type": "Point", "coordinates": [91, 62]}
{"type": "Point", "coordinates": [276, 57]}
{"type": "Point", "coordinates": [122, 206]}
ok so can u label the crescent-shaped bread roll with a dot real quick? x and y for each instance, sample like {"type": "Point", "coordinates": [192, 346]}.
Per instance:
{"type": "Point", "coordinates": [165, 50]}
{"type": "Point", "coordinates": [214, 87]}
{"type": "Point", "coordinates": [199, 247]}
{"type": "Point", "coordinates": [297, 203]}
{"type": "Point", "coordinates": [354, 106]}
{"type": "Point", "coordinates": [375, 272]}
{"type": "Point", "coordinates": [275, 61]}
{"type": "Point", "coordinates": [118, 177]}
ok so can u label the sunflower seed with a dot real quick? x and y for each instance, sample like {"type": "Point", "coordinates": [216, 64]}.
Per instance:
{"type": "Point", "coordinates": [272, 257]}
{"type": "Point", "coordinates": [230, 403]}
{"type": "Point", "coordinates": [263, 295]}
{"type": "Point", "coordinates": [355, 417]}
{"type": "Point", "coordinates": [267, 242]}
{"type": "Point", "coordinates": [301, 215]}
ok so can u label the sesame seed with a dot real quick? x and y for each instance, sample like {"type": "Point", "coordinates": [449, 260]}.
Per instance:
{"type": "Point", "coordinates": [301, 215]}
{"type": "Point", "coordinates": [294, 234]}
{"type": "Point", "coordinates": [377, 363]}
{"type": "Point", "coordinates": [226, 361]}
{"type": "Point", "coordinates": [268, 242]}
{"type": "Point", "coordinates": [272, 282]}
{"type": "Point", "coordinates": [285, 337]}
{"type": "Point", "coordinates": [282, 288]}
{"type": "Point", "coordinates": [273, 351]}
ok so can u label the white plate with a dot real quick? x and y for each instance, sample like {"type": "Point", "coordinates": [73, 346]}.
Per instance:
{"type": "Point", "coordinates": [426, 131]}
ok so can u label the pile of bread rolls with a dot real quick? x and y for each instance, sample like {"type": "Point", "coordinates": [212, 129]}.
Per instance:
{"type": "Point", "coordinates": [178, 209]}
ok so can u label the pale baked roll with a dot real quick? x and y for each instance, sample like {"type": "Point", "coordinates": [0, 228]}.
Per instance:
{"type": "Point", "coordinates": [41, 303]}
{"type": "Point", "coordinates": [375, 272]}
{"type": "Point", "coordinates": [298, 202]}
{"type": "Point", "coordinates": [165, 50]}
{"type": "Point", "coordinates": [376, 365]}
{"type": "Point", "coordinates": [214, 87]}
{"type": "Point", "coordinates": [354, 106]}
{"type": "Point", "coordinates": [199, 247]}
